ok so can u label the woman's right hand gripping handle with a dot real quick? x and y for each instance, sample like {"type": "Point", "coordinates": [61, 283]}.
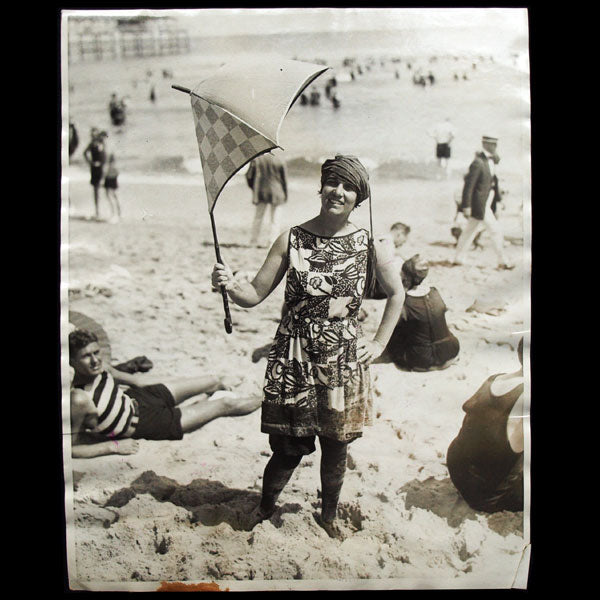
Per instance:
{"type": "Point", "coordinates": [222, 276]}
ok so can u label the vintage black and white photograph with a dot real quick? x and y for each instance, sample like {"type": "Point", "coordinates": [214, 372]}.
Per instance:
{"type": "Point", "coordinates": [295, 298]}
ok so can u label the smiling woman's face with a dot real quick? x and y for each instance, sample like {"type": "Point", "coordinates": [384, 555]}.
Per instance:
{"type": "Point", "coordinates": [337, 197]}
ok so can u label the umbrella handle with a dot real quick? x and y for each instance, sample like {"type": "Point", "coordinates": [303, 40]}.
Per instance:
{"type": "Point", "coordinates": [227, 322]}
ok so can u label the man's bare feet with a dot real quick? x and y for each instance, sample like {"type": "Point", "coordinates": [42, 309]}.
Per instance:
{"type": "Point", "coordinates": [229, 382]}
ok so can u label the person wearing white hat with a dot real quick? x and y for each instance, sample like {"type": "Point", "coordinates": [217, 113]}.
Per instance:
{"type": "Point", "coordinates": [478, 191]}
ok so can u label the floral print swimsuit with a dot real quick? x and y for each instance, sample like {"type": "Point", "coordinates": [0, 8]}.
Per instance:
{"type": "Point", "coordinates": [313, 383]}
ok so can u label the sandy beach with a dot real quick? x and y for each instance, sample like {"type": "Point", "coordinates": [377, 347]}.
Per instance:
{"type": "Point", "coordinates": [170, 513]}
{"type": "Point", "coordinates": [169, 516]}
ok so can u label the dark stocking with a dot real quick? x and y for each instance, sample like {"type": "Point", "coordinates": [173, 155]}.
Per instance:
{"type": "Point", "coordinates": [277, 473]}
{"type": "Point", "coordinates": [333, 468]}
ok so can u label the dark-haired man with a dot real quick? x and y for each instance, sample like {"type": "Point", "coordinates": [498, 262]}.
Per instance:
{"type": "Point", "coordinates": [111, 410]}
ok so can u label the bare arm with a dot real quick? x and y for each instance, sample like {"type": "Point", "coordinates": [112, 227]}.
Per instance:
{"type": "Point", "coordinates": [124, 446]}
{"type": "Point", "coordinates": [85, 444]}
{"type": "Point", "coordinates": [132, 378]}
{"type": "Point", "coordinates": [86, 155]}
{"type": "Point", "coordinates": [249, 294]}
{"type": "Point", "coordinates": [389, 277]}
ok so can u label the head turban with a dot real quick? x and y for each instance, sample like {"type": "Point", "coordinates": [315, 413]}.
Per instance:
{"type": "Point", "coordinates": [349, 170]}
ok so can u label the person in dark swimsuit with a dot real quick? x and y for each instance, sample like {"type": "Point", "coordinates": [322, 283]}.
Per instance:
{"type": "Point", "coordinates": [485, 460]}
{"type": "Point", "coordinates": [95, 156]}
{"type": "Point", "coordinates": [421, 340]}
{"type": "Point", "coordinates": [73, 138]}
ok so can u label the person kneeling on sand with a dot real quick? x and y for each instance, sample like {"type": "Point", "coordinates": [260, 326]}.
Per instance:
{"type": "Point", "coordinates": [107, 417]}
{"type": "Point", "coordinates": [485, 460]}
{"type": "Point", "coordinates": [421, 340]}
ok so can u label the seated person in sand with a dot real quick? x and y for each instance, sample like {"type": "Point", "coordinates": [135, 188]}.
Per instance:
{"type": "Point", "coordinates": [421, 340]}
{"type": "Point", "coordinates": [397, 237]}
{"type": "Point", "coordinates": [485, 460]}
{"type": "Point", "coordinates": [399, 234]}
{"type": "Point", "coordinates": [108, 418]}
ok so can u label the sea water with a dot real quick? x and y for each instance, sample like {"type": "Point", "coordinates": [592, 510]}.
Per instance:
{"type": "Point", "coordinates": [383, 117]}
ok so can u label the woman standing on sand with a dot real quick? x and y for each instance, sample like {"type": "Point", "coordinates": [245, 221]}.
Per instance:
{"type": "Point", "coordinates": [317, 379]}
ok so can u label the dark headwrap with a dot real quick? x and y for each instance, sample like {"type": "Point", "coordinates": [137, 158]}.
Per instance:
{"type": "Point", "coordinates": [414, 270]}
{"type": "Point", "coordinates": [350, 170]}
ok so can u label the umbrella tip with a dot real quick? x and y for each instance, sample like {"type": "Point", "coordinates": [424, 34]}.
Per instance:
{"type": "Point", "coordinates": [181, 88]}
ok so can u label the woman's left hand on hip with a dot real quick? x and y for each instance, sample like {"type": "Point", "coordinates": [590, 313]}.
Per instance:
{"type": "Point", "coordinates": [368, 350]}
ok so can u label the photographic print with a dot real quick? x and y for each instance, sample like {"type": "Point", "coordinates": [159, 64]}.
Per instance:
{"type": "Point", "coordinates": [295, 306]}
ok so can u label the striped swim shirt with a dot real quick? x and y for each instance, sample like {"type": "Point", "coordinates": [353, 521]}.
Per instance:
{"type": "Point", "coordinates": [118, 413]}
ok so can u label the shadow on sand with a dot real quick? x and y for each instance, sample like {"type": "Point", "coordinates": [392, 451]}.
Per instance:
{"type": "Point", "coordinates": [442, 498]}
{"type": "Point", "coordinates": [209, 502]}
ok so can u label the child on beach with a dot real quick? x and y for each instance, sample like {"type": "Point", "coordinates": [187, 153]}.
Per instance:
{"type": "Point", "coordinates": [109, 418]}
{"type": "Point", "coordinates": [111, 185]}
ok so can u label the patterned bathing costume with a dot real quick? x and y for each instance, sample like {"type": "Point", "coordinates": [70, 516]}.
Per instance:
{"type": "Point", "coordinates": [313, 383]}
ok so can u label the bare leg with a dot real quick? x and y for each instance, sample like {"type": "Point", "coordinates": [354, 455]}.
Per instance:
{"type": "Point", "coordinates": [259, 213]}
{"type": "Point", "coordinates": [110, 203]}
{"type": "Point", "coordinates": [182, 389]}
{"type": "Point", "coordinates": [116, 202]}
{"type": "Point", "coordinates": [115, 209]}
{"type": "Point", "coordinates": [198, 414]}
{"type": "Point", "coordinates": [96, 201]}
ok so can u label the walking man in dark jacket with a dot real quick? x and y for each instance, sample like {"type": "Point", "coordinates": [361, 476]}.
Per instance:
{"type": "Point", "coordinates": [477, 195]}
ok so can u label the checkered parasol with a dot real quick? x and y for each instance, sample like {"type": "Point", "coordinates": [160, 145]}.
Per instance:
{"type": "Point", "coordinates": [238, 112]}
{"type": "Point", "coordinates": [225, 144]}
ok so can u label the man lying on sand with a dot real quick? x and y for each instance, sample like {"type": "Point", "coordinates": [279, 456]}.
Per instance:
{"type": "Point", "coordinates": [108, 418]}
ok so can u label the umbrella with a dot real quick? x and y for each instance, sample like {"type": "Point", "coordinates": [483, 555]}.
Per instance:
{"type": "Point", "coordinates": [238, 112]}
